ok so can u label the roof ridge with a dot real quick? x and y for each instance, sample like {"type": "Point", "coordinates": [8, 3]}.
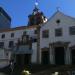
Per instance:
{"type": "Point", "coordinates": [58, 11]}
{"type": "Point", "coordinates": [18, 28]}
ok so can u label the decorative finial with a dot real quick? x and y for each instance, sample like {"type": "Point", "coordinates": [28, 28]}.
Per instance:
{"type": "Point", "coordinates": [36, 3]}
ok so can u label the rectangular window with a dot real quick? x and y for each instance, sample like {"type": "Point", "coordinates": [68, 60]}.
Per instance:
{"type": "Point", "coordinates": [58, 32]}
{"type": "Point", "coordinates": [3, 36]}
{"type": "Point", "coordinates": [1, 44]}
{"type": "Point", "coordinates": [34, 40]}
{"type": "Point", "coordinates": [11, 44]}
{"type": "Point", "coordinates": [35, 32]}
{"type": "Point", "coordinates": [72, 30]}
{"type": "Point", "coordinates": [24, 33]}
{"type": "Point", "coordinates": [12, 34]}
{"type": "Point", "coordinates": [45, 33]}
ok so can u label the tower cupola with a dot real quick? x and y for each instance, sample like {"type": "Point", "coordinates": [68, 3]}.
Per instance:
{"type": "Point", "coordinates": [37, 17]}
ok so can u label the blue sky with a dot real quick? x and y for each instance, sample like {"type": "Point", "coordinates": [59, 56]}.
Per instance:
{"type": "Point", "coordinates": [20, 9]}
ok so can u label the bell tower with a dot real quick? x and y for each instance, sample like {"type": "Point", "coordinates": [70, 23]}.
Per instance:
{"type": "Point", "coordinates": [37, 17]}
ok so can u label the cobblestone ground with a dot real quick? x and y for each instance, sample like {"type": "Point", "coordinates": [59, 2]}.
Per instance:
{"type": "Point", "coordinates": [42, 73]}
{"type": "Point", "coordinates": [45, 70]}
{"type": "Point", "coordinates": [63, 70]}
{"type": "Point", "coordinates": [53, 73]}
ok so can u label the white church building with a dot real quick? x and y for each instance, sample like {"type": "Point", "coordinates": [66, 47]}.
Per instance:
{"type": "Point", "coordinates": [57, 40]}
{"type": "Point", "coordinates": [53, 41]}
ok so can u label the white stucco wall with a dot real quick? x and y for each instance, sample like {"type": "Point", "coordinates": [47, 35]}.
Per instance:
{"type": "Point", "coordinates": [34, 53]}
{"type": "Point", "coordinates": [17, 34]}
{"type": "Point", "coordinates": [4, 54]}
{"type": "Point", "coordinates": [4, 60]}
{"type": "Point", "coordinates": [51, 25]}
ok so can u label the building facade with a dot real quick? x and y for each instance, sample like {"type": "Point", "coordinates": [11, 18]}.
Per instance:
{"type": "Point", "coordinates": [9, 38]}
{"type": "Point", "coordinates": [53, 42]}
{"type": "Point", "coordinates": [57, 40]}
{"type": "Point", "coordinates": [4, 58]}
{"type": "Point", "coordinates": [5, 20]}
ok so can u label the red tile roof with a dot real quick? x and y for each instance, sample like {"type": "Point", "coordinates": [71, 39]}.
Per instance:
{"type": "Point", "coordinates": [18, 28]}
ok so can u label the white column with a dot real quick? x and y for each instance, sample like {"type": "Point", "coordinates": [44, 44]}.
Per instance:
{"type": "Point", "coordinates": [51, 55]}
{"type": "Point", "coordinates": [40, 56]}
{"type": "Point", "coordinates": [67, 55]}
